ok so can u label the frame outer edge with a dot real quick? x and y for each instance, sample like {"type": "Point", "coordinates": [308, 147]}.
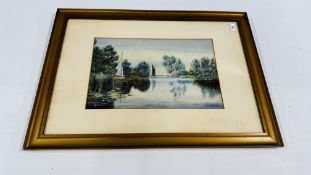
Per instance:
{"type": "Point", "coordinates": [35, 137]}
{"type": "Point", "coordinates": [33, 130]}
{"type": "Point", "coordinates": [268, 116]}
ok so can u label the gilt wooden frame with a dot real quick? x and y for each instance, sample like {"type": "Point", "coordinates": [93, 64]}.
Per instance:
{"type": "Point", "coordinates": [36, 138]}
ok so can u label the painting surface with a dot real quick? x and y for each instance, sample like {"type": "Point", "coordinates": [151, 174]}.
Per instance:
{"type": "Point", "coordinates": [153, 74]}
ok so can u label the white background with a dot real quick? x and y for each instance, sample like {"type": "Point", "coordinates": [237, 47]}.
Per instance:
{"type": "Point", "coordinates": [282, 34]}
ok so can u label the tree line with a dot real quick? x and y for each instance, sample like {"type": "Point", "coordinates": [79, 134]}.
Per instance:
{"type": "Point", "coordinates": [105, 61]}
{"type": "Point", "coordinates": [141, 70]}
{"type": "Point", "coordinates": [202, 69]}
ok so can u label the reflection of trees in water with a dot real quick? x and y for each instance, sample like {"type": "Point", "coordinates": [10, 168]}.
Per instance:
{"type": "Point", "coordinates": [123, 87]}
{"type": "Point", "coordinates": [100, 83]}
{"type": "Point", "coordinates": [208, 89]}
{"type": "Point", "coordinates": [153, 83]}
{"type": "Point", "coordinates": [103, 91]}
{"type": "Point", "coordinates": [141, 84]}
{"type": "Point", "coordinates": [179, 87]}
{"type": "Point", "coordinates": [106, 84]}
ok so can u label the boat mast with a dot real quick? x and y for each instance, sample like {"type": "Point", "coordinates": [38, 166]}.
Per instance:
{"type": "Point", "coordinates": [120, 67]}
{"type": "Point", "coordinates": [121, 64]}
{"type": "Point", "coordinates": [152, 70]}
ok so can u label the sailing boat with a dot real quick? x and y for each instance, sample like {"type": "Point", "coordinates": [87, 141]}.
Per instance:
{"type": "Point", "coordinates": [116, 91]}
{"type": "Point", "coordinates": [153, 73]}
{"type": "Point", "coordinates": [120, 67]}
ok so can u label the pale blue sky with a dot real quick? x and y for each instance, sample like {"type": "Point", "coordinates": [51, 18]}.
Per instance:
{"type": "Point", "coordinates": [152, 50]}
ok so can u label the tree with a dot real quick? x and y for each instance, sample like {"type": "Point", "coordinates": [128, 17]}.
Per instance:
{"type": "Point", "coordinates": [173, 66]}
{"type": "Point", "coordinates": [135, 71]}
{"type": "Point", "coordinates": [205, 64]}
{"type": "Point", "coordinates": [110, 59]}
{"type": "Point", "coordinates": [168, 63]}
{"type": "Point", "coordinates": [204, 68]}
{"type": "Point", "coordinates": [96, 60]}
{"type": "Point", "coordinates": [179, 67]}
{"type": "Point", "coordinates": [127, 69]}
{"type": "Point", "coordinates": [104, 60]}
{"type": "Point", "coordinates": [213, 72]}
{"type": "Point", "coordinates": [196, 67]}
{"type": "Point", "coordinates": [143, 69]}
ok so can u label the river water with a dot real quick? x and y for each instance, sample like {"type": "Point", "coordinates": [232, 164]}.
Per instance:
{"type": "Point", "coordinates": [164, 93]}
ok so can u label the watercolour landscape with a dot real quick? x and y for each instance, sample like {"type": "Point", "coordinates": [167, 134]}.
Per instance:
{"type": "Point", "coordinates": [153, 74]}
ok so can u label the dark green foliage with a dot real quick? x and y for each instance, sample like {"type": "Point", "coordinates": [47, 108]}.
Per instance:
{"type": "Point", "coordinates": [106, 84]}
{"type": "Point", "coordinates": [135, 71]}
{"type": "Point", "coordinates": [110, 59]}
{"type": "Point", "coordinates": [100, 82]}
{"type": "Point", "coordinates": [143, 69]}
{"type": "Point", "coordinates": [141, 84]}
{"type": "Point", "coordinates": [204, 68]}
{"type": "Point", "coordinates": [127, 69]}
{"type": "Point", "coordinates": [104, 60]}
{"type": "Point", "coordinates": [103, 68]}
{"type": "Point", "coordinates": [92, 83]}
{"type": "Point", "coordinates": [96, 60]}
{"type": "Point", "coordinates": [205, 64]}
{"type": "Point", "coordinates": [196, 67]}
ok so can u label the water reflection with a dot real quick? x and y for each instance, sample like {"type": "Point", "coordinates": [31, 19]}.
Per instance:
{"type": "Point", "coordinates": [141, 84]}
{"type": "Point", "coordinates": [153, 83]}
{"type": "Point", "coordinates": [153, 93]}
{"type": "Point", "coordinates": [104, 91]}
{"type": "Point", "coordinates": [208, 89]}
{"type": "Point", "coordinates": [179, 87]}
{"type": "Point", "coordinates": [123, 87]}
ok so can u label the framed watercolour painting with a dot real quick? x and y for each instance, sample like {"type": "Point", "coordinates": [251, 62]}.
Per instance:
{"type": "Point", "coordinates": [130, 78]}
{"type": "Point", "coordinates": [139, 73]}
